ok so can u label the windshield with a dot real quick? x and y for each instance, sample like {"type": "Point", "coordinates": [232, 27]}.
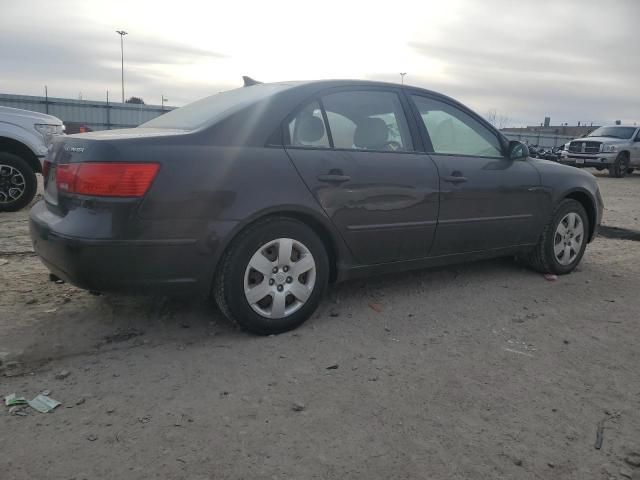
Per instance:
{"type": "Point", "coordinates": [210, 109]}
{"type": "Point", "coordinates": [613, 132]}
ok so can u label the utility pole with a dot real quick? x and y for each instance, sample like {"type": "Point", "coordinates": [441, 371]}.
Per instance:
{"type": "Point", "coordinates": [46, 99]}
{"type": "Point", "coordinates": [122, 33]}
{"type": "Point", "coordinates": [402, 74]}
{"type": "Point", "coordinates": [164, 99]}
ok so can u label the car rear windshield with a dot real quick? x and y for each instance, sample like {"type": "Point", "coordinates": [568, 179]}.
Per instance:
{"type": "Point", "coordinates": [613, 132]}
{"type": "Point", "coordinates": [210, 109]}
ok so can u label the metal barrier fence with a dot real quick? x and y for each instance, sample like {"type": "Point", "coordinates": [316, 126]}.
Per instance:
{"type": "Point", "coordinates": [95, 115]}
{"type": "Point", "coordinates": [541, 140]}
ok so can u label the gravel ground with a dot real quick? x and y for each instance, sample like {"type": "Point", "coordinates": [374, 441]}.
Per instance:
{"type": "Point", "coordinates": [479, 371]}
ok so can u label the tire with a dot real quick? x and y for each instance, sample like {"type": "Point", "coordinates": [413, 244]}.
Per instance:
{"type": "Point", "coordinates": [619, 167]}
{"type": "Point", "coordinates": [630, 171]}
{"type": "Point", "coordinates": [543, 257]}
{"type": "Point", "coordinates": [600, 168]}
{"type": "Point", "coordinates": [235, 276]}
{"type": "Point", "coordinates": [18, 183]}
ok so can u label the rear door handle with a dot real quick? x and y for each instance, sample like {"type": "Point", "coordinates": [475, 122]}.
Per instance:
{"type": "Point", "coordinates": [454, 179]}
{"type": "Point", "coordinates": [333, 178]}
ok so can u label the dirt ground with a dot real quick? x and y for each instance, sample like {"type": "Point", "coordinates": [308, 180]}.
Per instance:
{"type": "Point", "coordinates": [479, 371]}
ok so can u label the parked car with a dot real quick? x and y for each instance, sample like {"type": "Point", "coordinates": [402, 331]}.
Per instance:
{"type": "Point", "coordinates": [616, 148]}
{"type": "Point", "coordinates": [262, 195]}
{"type": "Point", "coordinates": [24, 136]}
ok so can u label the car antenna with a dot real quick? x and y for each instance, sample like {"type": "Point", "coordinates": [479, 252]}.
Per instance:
{"type": "Point", "coordinates": [248, 81]}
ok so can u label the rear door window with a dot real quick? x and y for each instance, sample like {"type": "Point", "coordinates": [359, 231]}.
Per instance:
{"type": "Point", "coordinates": [367, 120]}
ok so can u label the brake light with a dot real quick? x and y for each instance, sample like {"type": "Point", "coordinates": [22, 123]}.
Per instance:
{"type": "Point", "coordinates": [106, 179]}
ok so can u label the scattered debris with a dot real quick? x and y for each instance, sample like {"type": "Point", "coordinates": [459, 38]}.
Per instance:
{"type": "Point", "coordinates": [298, 406]}
{"type": "Point", "coordinates": [12, 400]}
{"type": "Point", "coordinates": [517, 351]}
{"type": "Point", "coordinates": [376, 307]}
{"type": "Point", "coordinates": [633, 459]}
{"type": "Point", "coordinates": [334, 314]}
{"type": "Point", "coordinates": [626, 473]}
{"type": "Point", "coordinates": [51, 310]}
{"type": "Point", "coordinates": [80, 401]}
{"type": "Point", "coordinates": [517, 462]}
{"type": "Point", "coordinates": [91, 437]}
{"type": "Point", "coordinates": [145, 419]}
{"type": "Point", "coordinates": [333, 367]}
{"type": "Point", "coordinates": [387, 329]}
{"type": "Point", "coordinates": [122, 335]}
{"type": "Point", "coordinates": [19, 410]}
{"type": "Point", "coordinates": [3, 261]}
{"type": "Point", "coordinates": [31, 301]}
{"type": "Point", "coordinates": [43, 403]}
{"type": "Point", "coordinates": [566, 342]}
{"type": "Point", "coordinates": [62, 374]}
{"type": "Point", "coordinates": [550, 277]}
{"type": "Point", "coordinates": [600, 431]}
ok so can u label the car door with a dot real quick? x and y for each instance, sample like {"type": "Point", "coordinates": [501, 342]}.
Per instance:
{"type": "Point", "coordinates": [355, 151]}
{"type": "Point", "coordinates": [487, 201]}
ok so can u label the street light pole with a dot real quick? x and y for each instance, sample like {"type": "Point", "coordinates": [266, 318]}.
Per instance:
{"type": "Point", "coordinates": [122, 33]}
{"type": "Point", "coordinates": [164, 99]}
{"type": "Point", "coordinates": [402, 74]}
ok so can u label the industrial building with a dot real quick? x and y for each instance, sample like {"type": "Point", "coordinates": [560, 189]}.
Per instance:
{"type": "Point", "coordinates": [86, 115]}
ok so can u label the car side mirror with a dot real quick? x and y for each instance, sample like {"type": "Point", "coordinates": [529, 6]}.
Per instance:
{"type": "Point", "coordinates": [517, 150]}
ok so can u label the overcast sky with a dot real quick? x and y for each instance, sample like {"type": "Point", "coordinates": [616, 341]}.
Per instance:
{"type": "Point", "coordinates": [574, 60]}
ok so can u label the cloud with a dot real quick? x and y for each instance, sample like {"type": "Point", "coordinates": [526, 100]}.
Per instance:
{"type": "Point", "coordinates": [573, 60]}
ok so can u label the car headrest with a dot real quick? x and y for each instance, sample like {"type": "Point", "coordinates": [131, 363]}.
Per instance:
{"type": "Point", "coordinates": [310, 129]}
{"type": "Point", "coordinates": [371, 133]}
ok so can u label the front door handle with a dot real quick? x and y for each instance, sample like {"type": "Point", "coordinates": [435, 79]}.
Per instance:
{"type": "Point", "coordinates": [334, 178]}
{"type": "Point", "coordinates": [455, 179]}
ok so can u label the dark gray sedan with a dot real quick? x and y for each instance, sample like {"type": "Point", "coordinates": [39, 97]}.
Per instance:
{"type": "Point", "coordinates": [263, 195]}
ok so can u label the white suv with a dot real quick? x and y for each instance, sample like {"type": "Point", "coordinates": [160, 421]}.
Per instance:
{"type": "Point", "coordinates": [24, 137]}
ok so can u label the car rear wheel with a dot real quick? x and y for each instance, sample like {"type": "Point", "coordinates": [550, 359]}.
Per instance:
{"type": "Point", "coordinates": [630, 171]}
{"type": "Point", "coordinates": [563, 240]}
{"type": "Point", "coordinates": [620, 166]}
{"type": "Point", "coordinates": [273, 277]}
{"type": "Point", "coordinates": [18, 183]}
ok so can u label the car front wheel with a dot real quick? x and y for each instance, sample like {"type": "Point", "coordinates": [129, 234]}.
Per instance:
{"type": "Point", "coordinates": [18, 183]}
{"type": "Point", "coordinates": [273, 277]}
{"type": "Point", "coordinates": [563, 241]}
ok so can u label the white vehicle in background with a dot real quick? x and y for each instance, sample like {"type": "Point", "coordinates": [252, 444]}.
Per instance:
{"type": "Point", "coordinates": [24, 137]}
{"type": "Point", "coordinates": [616, 148]}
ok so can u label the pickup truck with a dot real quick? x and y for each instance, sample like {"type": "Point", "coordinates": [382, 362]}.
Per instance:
{"type": "Point", "coordinates": [616, 148]}
{"type": "Point", "coordinates": [24, 138]}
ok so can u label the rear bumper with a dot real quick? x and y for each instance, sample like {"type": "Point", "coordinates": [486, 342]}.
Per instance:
{"type": "Point", "coordinates": [175, 266]}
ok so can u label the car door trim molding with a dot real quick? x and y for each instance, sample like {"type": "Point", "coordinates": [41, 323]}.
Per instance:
{"type": "Point", "coordinates": [391, 226]}
{"type": "Point", "coordinates": [485, 219]}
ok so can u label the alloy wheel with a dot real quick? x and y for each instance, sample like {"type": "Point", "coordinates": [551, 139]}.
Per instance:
{"type": "Point", "coordinates": [12, 184]}
{"type": "Point", "coordinates": [568, 238]}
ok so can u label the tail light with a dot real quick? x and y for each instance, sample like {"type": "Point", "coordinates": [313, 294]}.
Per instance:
{"type": "Point", "coordinates": [106, 179]}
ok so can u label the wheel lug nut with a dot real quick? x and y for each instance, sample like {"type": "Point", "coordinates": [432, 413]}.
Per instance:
{"type": "Point", "coordinates": [285, 268]}
{"type": "Point", "coordinates": [275, 269]}
{"type": "Point", "coordinates": [280, 288]}
{"type": "Point", "coordinates": [289, 279]}
{"type": "Point", "coordinates": [271, 281]}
